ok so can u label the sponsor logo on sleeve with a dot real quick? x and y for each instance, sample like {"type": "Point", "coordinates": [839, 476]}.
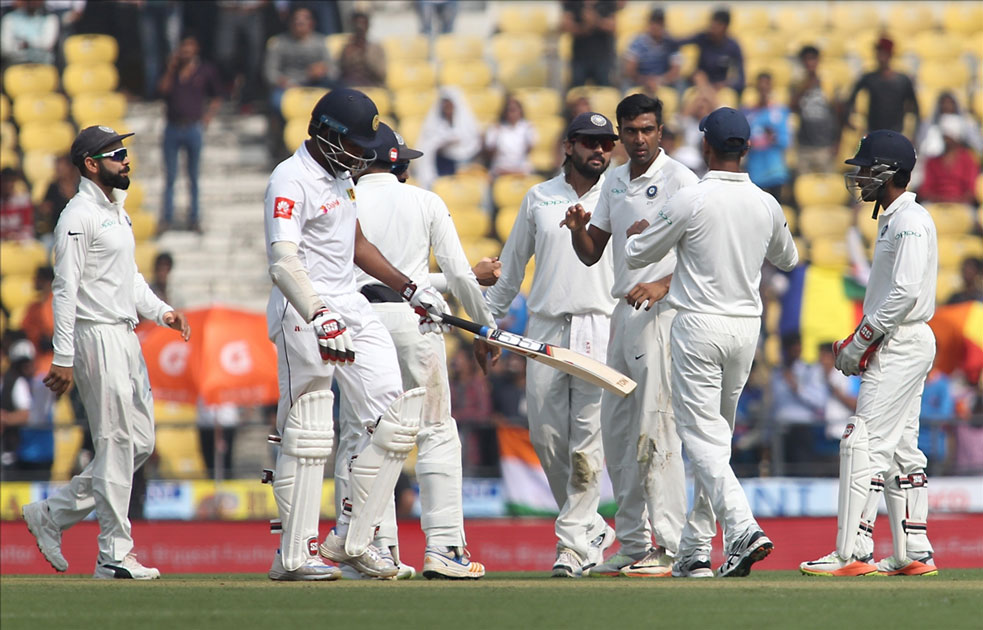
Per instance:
{"type": "Point", "coordinates": [283, 208]}
{"type": "Point", "coordinates": [351, 194]}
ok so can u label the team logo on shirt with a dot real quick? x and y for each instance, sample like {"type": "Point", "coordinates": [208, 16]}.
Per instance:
{"type": "Point", "coordinates": [652, 191]}
{"type": "Point", "coordinates": [283, 208]}
{"type": "Point", "coordinates": [351, 194]}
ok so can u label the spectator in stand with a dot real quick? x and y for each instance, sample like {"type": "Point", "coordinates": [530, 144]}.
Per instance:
{"type": "Point", "coordinates": [799, 397]}
{"type": "Point", "coordinates": [769, 139]}
{"type": "Point", "coordinates": [507, 379]}
{"type": "Point", "coordinates": [591, 23]}
{"type": "Point", "coordinates": [891, 93]}
{"type": "Point", "coordinates": [363, 63]}
{"type": "Point", "coordinates": [843, 391]}
{"type": "Point", "coordinates": [16, 209]}
{"type": "Point", "coordinates": [191, 90]}
{"type": "Point", "coordinates": [39, 319]}
{"type": "Point", "coordinates": [439, 13]}
{"type": "Point", "coordinates": [951, 176]}
{"type": "Point", "coordinates": [652, 59]}
{"type": "Point", "coordinates": [163, 265]}
{"type": "Point", "coordinates": [449, 137]}
{"type": "Point", "coordinates": [28, 34]}
{"type": "Point", "coordinates": [932, 144]}
{"type": "Point", "coordinates": [159, 25]}
{"type": "Point", "coordinates": [60, 190]}
{"type": "Point", "coordinates": [937, 411]}
{"type": "Point", "coordinates": [239, 46]}
{"type": "Point", "coordinates": [298, 57]}
{"type": "Point", "coordinates": [216, 435]}
{"type": "Point", "coordinates": [966, 434]}
{"type": "Point", "coordinates": [818, 133]}
{"type": "Point", "coordinates": [471, 406]}
{"type": "Point", "coordinates": [509, 142]}
{"type": "Point", "coordinates": [721, 63]}
{"type": "Point", "coordinates": [972, 273]}
{"type": "Point", "coordinates": [25, 417]}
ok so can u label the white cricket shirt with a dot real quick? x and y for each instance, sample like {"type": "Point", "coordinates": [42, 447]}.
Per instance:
{"type": "Point", "coordinates": [562, 284]}
{"type": "Point", "coordinates": [308, 206]}
{"type": "Point", "coordinates": [723, 229]}
{"type": "Point", "coordinates": [901, 288]}
{"type": "Point", "coordinates": [404, 222]}
{"type": "Point", "coordinates": [624, 201]}
{"type": "Point", "coordinates": [96, 276]}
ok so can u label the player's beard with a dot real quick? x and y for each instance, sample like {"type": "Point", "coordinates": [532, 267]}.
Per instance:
{"type": "Point", "coordinates": [115, 180]}
{"type": "Point", "coordinates": [585, 168]}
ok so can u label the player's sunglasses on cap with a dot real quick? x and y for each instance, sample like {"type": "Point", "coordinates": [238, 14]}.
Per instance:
{"type": "Point", "coordinates": [593, 142]}
{"type": "Point", "coordinates": [118, 155]}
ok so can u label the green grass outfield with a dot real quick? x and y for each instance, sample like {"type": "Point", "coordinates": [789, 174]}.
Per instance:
{"type": "Point", "coordinates": [765, 600]}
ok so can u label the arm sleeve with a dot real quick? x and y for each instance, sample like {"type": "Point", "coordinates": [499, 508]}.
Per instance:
{"type": "Point", "coordinates": [70, 253]}
{"type": "Point", "coordinates": [657, 240]}
{"type": "Point", "coordinates": [910, 267]}
{"type": "Point", "coordinates": [601, 216]}
{"type": "Point", "coordinates": [452, 261]}
{"type": "Point", "coordinates": [781, 248]}
{"type": "Point", "coordinates": [519, 248]}
{"type": "Point", "coordinates": [149, 306]}
{"type": "Point", "coordinates": [290, 276]}
{"type": "Point", "coordinates": [282, 212]}
{"type": "Point", "coordinates": [438, 281]}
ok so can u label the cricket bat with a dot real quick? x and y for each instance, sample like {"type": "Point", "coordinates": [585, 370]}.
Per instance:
{"type": "Point", "coordinates": [563, 359]}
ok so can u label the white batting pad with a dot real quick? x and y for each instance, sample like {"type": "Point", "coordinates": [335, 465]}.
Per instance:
{"type": "Point", "coordinates": [854, 485]}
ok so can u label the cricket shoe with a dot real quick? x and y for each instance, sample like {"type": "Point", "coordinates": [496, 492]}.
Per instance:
{"type": "Point", "coordinates": [403, 571]}
{"type": "Point", "coordinates": [657, 563]}
{"type": "Point", "coordinates": [597, 547]}
{"type": "Point", "coordinates": [313, 570]}
{"type": "Point", "coordinates": [46, 534]}
{"type": "Point", "coordinates": [694, 566]}
{"type": "Point", "coordinates": [568, 564]}
{"type": "Point", "coordinates": [924, 565]}
{"type": "Point", "coordinates": [612, 566]}
{"type": "Point", "coordinates": [128, 569]}
{"type": "Point", "coordinates": [753, 547]}
{"type": "Point", "coordinates": [370, 563]}
{"type": "Point", "coordinates": [834, 565]}
{"type": "Point", "coordinates": [450, 563]}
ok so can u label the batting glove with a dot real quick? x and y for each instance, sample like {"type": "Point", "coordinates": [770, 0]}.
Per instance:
{"type": "Point", "coordinates": [333, 339]}
{"type": "Point", "coordinates": [854, 353]}
{"type": "Point", "coordinates": [429, 305]}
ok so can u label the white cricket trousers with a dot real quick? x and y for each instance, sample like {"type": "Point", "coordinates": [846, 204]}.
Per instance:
{"type": "Point", "coordinates": [111, 377]}
{"type": "Point", "coordinates": [641, 446]}
{"type": "Point", "coordinates": [422, 363]}
{"type": "Point", "coordinates": [565, 426]}
{"type": "Point", "coordinates": [711, 360]}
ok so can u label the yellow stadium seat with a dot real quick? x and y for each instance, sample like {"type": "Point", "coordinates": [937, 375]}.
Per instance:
{"type": "Point", "coordinates": [415, 75]}
{"type": "Point", "coordinates": [602, 99]}
{"type": "Point", "coordinates": [963, 17]}
{"type": "Point", "coordinates": [812, 189]}
{"type": "Point", "coordinates": [849, 18]}
{"type": "Point", "coordinates": [412, 103]}
{"type": "Point", "coordinates": [459, 192]}
{"type": "Point", "coordinates": [523, 73]}
{"type": "Point", "coordinates": [9, 158]}
{"type": "Point", "coordinates": [549, 129]}
{"type": "Point", "coordinates": [145, 254]}
{"type": "Point", "coordinates": [4, 108]}
{"type": "Point", "coordinates": [134, 197]}
{"type": "Point", "coordinates": [749, 16]}
{"type": "Point", "coordinates": [867, 226]}
{"type": "Point", "coordinates": [16, 291]}
{"type": "Point", "coordinates": [948, 282]}
{"type": "Point", "coordinates": [632, 19]}
{"type": "Point", "coordinates": [504, 220]}
{"type": "Point", "coordinates": [299, 101]}
{"type": "Point", "coordinates": [486, 103]}
{"type": "Point", "coordinates": [539, 101]}
{"type": "Point", "coordinates": [828, 252]}
{"type": "Point", "coordinates": [511, 47]}
{"type": "Point", "coordinates": [454, 47]}
{"type": "Point", "coordinates": [32, 108]}
{"type": "Point", "coordinates": [294, 133]}
{"type": "Point", "coordinates": [52, 137]}
{"type": "Point", "coordinates": [63, 413]}
{"type": "Point", "coordinates": [951, 218]}
{"type": "Point", "coordinates": [564, 47]}
{"type": "Point", "coordinates": [409, 128]}
{"type": "Point", "coordinates": [335, 43]}
{"type": "Point", "coordinates": [522, 17]}
{"type": "Point", "coordinates": [91, 109]}
{"type": "Point", "coordinates": [469, 74]}
{"type": "Point", "coordinates": [969, 245]}
{"type": "Point", "coordinates": [87, 78]}
{"type": "Point", "coordinates": [685, 18]}
{"type": "Point", "coordinates": [476, 249]}
{"type": "Point", "coordinates": [791, 218]}
{"type": "Point", "coordinates": [792, 19]}
{"type": "Point", "coordinates": [837, 77]}
{"type": "Point", "coordinates": [471, 222]}
{"type": "Point", "coordinates": [68, 441]}
{"type": "Point", "coordinates": [779, 69]}
{"type": "Point", "coordinates": [179, 453]}
{"type": "Point", "coordinates": [8, 136]}
{"type": "Point", "coordinates": [909, 18]}
{"type": "Point", "coordinates": [943, 74]}
{"type": "Point", "coordinates": [825, 222]}
{"type": "Point", "coordinates": [90, 48]}
{"type": "Point", "coordinates": [38, 166]}
{"type": "Point", "coordinates": [144, 225]}
{"type": "Point", "coordinates": [379, 96]}
{"type": "Point", "coordinates": [406, 47]}
{"type": "Point", "coordinates": [508, 190]}
{"type": "Point", "coordinates": [168, 413]}
{"type": "Point", "coordinates": [756, 45]}
{"type": "Point", "coordinates": [933, 46]}
{"type": "Point", "coordinates": [29, 78]}
{"type": "Point", "coordinates": [526, 285]}
{"type": "Point", "coordinates": [21, 257]}
{"type": "Point", "coordinates": [545, 159]}
{"type": "Point", "coordinates": [949, 254]}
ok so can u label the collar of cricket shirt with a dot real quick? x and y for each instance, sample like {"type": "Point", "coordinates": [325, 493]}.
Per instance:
{"type": "Point", "coordinates": [903, 199]}
{"type": "Point", "coordinates": [727, 176]}
{"type": "Point", "coordinates": [625, 175]}
{"type": "Point", "coordinates": [311, 164]}
{"type": "Point", "coordinates": [376, 179]}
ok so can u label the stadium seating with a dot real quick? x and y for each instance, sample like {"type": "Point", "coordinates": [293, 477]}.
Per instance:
{"type": "Point", "coordinates": [508, 190]}
{"type": "Point", "coordinates": [520, 17]}
{"type": "Point", "coordinates": [813, 189]}
{"type": "Point", "coordinates": [632, 19]}
{"type": "Point", "coordinates": [824, 221]}
{"type": "Point", "coordinates": [409, 128]}
{"type": "Point", "coordinates": [134, 197]}
{"type": "Point", "coordinates": [779, 69]}
{"type": "Point", "coordinates": [828, 252]}
{"type": "Point", "coordinates": [415, 75]}
{"type": "Point", "coordinates": [969, 245]}
{"type": "Point", "coordinates": [951, 218]}
{"type": "Point", "coordinates": [179, 452]}
{"type": "Point", "coordinates": [9, 158]}
{"type": "Point", "coordinates": [908, 18]}
{"type": "Point", "coordinates": [144, 225]}
{"type": "Point", "coordinates": [21, 257]}
{"type": "Point", "coordinates": [411, 103]}
{"type": "Point", "coordinates": [16, 291]}
{"type": "Point", "coordinates": [4, 108]}
{"type": "Point", "coordinates": [866, 225]}
{"type": "Point", "coordinates": [472, 223]}
{"type": "Point", "coordinates": [948, 282]}
{"type": "Point", "coordinates": [504, 220]}
{"type": "Point", "coordinates": [29, 78]}
{"type": "Point", "coordinates": [750, 17]}
{"type": "Point", "coordinates": [51, 137]}
{"type": "Point", "coordinates": [486, 103]}
{"type": "Point", "coordinates": [943, 74]}
{"type": "Point", "coordinates": [949, 252]}
{"type": "Point", "coordinates": [455, 47]}
{"type": "Point", "coordinates": [68, 441]}
{"type": "Point", "coordinates": [523, 73]}
{"type": "Point", "coordinates": [459, 192]}
{"type": "Point", "coordinates": [82, 78]}
{"type": "Point", "coordinates": [336, 43]}
{"type": "Point", "coordinates": [512, 47]}
{"type": "Point", "coordinates": [791, 218]}
{"type": "Point", "coordinates": [965, 18]}
{"type": "Point", "coordinates": [406, 47]}
{"type": "Point", "coordinates": [89, 48]}
{"type": "Point", "coordinates": [91, 109]}
{"type": "Point", "coordinates": [685, 18]}
{"type": "Point", "coordinates": [38, 166]}
{"type": "Point", "coordinates": [298, 102]}
{"type": "Point", "coordinates": [933, 46]}
{"type": "Point", "coordinates": [602, 99]}
{"type": "Point", "coordinates": [171, 413]}
{"type": "Point", "coordinates": [8, 136]}
{"type": "Point", "coordinates": [32, 108]}
{"type": "Point", "coordinates": [790, 20]}
{"type": "Point", "coordinates": [379, 96]}
{"type": "Point", "coordinates": [756, 45]}
{"type": "Point", "coordinates": [467, 74]}
{"type": "Point", "coordinates": [145, 253]}
{"type": "Point", "coordinates": [539, 101]}
{"type": "Point", "coordinates": [480, 248]}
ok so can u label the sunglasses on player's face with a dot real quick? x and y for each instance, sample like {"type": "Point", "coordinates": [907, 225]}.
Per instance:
{"type": "Point", "coordinates": [593, 142]}
{"type": "Point", "coordinates": [116, 156]}
{"type": "Point", "coordinates": [399, 168]}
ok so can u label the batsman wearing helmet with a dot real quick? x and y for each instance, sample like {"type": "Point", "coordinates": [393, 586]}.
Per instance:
{"type": "Point", "coordinates": [893, 350]}
{"type": "Point", "coordinates": [313, 242]}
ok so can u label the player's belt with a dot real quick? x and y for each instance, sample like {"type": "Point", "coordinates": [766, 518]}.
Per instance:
{"type": "Point", "coordinates": [376, 293]}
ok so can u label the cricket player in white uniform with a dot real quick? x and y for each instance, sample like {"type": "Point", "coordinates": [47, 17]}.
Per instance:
{"type": "Point", "coordinates": [313, 242]}
{"type": "Point", "coordinates": [893, 350]}
{"type": "Point", "coordinates": [723, 229]}
{"type": "Point", "coordinates": [405, 222]}
{"type": "Point", "coordinates": [98, 293]}
{"type": "Point", "coordinates": [641, 446]}
{"type": "Point", "coordinates": [569, 306]}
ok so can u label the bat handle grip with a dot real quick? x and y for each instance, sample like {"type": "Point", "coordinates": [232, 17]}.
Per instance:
{"type": "Point", "coordinates": [462, 323]}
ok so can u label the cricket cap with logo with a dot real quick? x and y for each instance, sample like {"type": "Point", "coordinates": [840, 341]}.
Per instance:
{"type": "Point", "coordinates": [590, 124]}
{"type": "Point", "coordinates": [391, 148]}
{"type": "Point", "coordinates": [726, 129]}
{"type": "Point", "coordinates": [348, 112]}
{"type": "Point", "coordinates": [92, 140]}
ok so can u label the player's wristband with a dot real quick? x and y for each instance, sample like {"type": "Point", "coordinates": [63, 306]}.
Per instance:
{"type": "Point", "coordinates": [407, 291]}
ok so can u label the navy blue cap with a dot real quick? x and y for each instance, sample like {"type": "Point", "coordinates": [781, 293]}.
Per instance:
{"type": "Point", "coordinates": [724, 125]}
{"type": "Point", "coordinates": [349, 112]}
{"type": "Point", "coordinates": [390, 146]}
{"type": "Point", "coordinates": [885, 147]}
{"type": "Point", "coordinates": [590, 124]}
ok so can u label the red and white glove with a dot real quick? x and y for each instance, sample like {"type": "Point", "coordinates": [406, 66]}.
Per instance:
{"type": "Point", "coordinates": [429, 304]}
{"type": "Point", "coordinates": [333, 339]}
{"type": "Point", "coordinates": [854, 353]}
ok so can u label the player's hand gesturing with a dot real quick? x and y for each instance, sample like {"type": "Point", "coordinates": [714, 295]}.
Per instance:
{"type": "Point", "coordinates": [637, 227]}
{"type": "Point", "coordinates": [576, 219]}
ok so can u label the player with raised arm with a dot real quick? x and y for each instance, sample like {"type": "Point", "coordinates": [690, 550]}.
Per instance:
{"type": "Point", "coordinates": [722, 230]}
{"type": "Point", "coordinates": [313, 242]}
{"type": "Point", "coordinates": [641, 447]}
{"type": "Point", "coordinates": [569, 306]}
{"type": "Point", "coordinates": [406, 223]}
{"type": "Point", "coordinates": [893, 350]}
